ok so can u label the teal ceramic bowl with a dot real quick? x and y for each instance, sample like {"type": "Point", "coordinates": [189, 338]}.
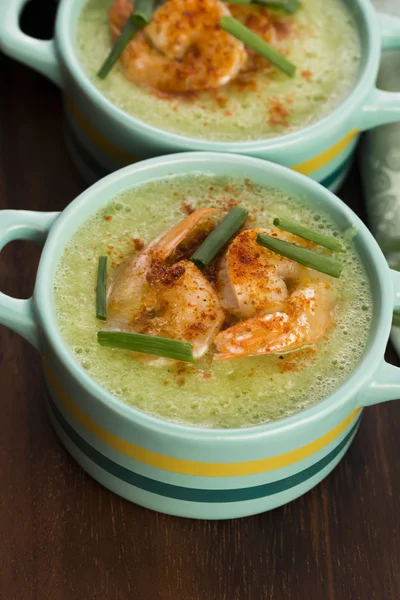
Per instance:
{"type": "Point", "coordinates": [102, 138]}
{"type": "Point", "coordinates": [187, 471]}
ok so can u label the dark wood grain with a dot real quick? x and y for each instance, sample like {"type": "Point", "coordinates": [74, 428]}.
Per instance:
{"type": "Point", "coordinates": [63, 537]}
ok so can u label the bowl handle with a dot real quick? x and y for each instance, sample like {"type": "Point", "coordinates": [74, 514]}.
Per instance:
{"type": "Point", "coordinates": [383, 107]}
{"type": "Point", "coordinates": [385, 383]}
{"type": "Point", "coordinates": [390, 31]}
{"type": "Point", "coordinates": [18, 314]}
{"type": "Point", "coordinates": [38, 54]}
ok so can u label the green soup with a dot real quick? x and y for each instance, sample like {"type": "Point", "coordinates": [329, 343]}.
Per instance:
{"type": "Point", "coordinates": [323, 44]}
{"type": "Point", "coordinates": [225, 394]}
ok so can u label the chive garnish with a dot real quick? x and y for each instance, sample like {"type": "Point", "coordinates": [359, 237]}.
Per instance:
{"type": "Point", "coordinates": [101, 291]}
{"type": "Point", "coordinates": [256, 43]}
{"type": "Point", "coordinates": [288, 6]}
{"type": "Point", "coordinates": [140, 18]}
{"type": "Point", "coordinates": [143, 12]}
{"type": "Point", "coordinates": [304, 256]}
{"type": "Point", "coordinates": [147, 344]}
{"type": "Point", "coordinates": [219, 237]}
{"type": "Point", "coordinates": [308, 234]}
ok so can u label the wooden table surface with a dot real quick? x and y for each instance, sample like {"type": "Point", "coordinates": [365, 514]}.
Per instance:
{"type": "Point", "coordinates": [64, 537]}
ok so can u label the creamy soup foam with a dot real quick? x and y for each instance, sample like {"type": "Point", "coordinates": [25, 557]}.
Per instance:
{"type": "Point", "coordinates": [226, 394]}
{"type": "Point", "coordinates": [320, 39]}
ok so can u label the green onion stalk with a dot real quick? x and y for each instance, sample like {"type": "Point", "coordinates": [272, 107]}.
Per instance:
{"type": "Point", "coordinates": [304, 256]}
{"type": "Point", "coordinates": [101, 289]}
{"type": "Point", "coordinates": [308, 234]}
{"type": "Point", "coordinates": [141, 17]}
{"type": "Point", "coordinates": [147, 344]}
{"type": "Point", "coordinates": [256, 43]}
{"type": "Point", "coordinates": [217, 239]}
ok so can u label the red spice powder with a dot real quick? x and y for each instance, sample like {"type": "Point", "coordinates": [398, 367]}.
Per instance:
{"type": "Point", "coordinates": [297, 361]}
{"type": "Point", "coordinates": [187, 208]}
{"type": "Point", "coordinates": [226, 203]}
{"type": "Point", "coordinates": [290, 97]}
{"type": "Point", "coordinates": [222, 102]}
{"type": "Point", "coordinates": [248, 184]}
{"type": "Point", "coordinates": [108, 218]}
{"type": "Point", "coordinates": [139, 245]}
{"type": "Point", "coordinates": [307, 74]}
{"type": "Point", "coordinates": [283, 29]}
{"type": "Point", "coordinates": [278, 113]}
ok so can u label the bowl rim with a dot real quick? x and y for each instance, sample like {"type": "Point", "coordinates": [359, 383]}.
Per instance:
{"type": "Point", "coordinates": [313, 133]}
{"type": "Point", "coordinates": [203, 162]}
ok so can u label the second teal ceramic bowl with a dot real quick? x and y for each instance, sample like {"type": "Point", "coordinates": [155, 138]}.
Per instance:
{"type": "Point", "coordinates": [187, 471]}
{"type": "Point", "coordinates": [103, 138]}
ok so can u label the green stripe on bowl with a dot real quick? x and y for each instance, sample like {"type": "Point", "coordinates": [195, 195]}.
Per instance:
{"type": "Point", "coordinates": [195, 494]}
{"type": "Point", "coordinates": [328, 181]}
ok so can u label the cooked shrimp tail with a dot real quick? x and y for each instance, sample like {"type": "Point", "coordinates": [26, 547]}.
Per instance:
{"type": "Point", "coordinates": [303, 320]}
{"type": "Point", "coordinates": [187, 234]}
{"type": "Point", "coordinates": [281, 305]}
{"type": "Point", "coordinates": [152, 293]}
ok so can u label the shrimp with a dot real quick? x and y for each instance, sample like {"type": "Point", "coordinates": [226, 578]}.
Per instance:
{"type": "Point", "coordinates": [282, 305]}
{"type": "Point", "coordinates": [183, 49]}
{"type": "Point", "coordinates": [261, 21]}
{"type": "Point", "coordinates": [162, 293]}
{"type": "Point", "coordinates": [251, 278]}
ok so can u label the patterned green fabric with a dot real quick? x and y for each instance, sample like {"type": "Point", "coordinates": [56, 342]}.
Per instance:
{"type": "Point", "coordinates": [380, 159]}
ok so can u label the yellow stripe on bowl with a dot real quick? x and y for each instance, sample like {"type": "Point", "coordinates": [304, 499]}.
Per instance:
{"type": "Point", "coordinates": [188, 467]}
{"type": "Point", "coordinates": [317, 162]}
{"type": "Point", "coordinates": [125, 158]}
